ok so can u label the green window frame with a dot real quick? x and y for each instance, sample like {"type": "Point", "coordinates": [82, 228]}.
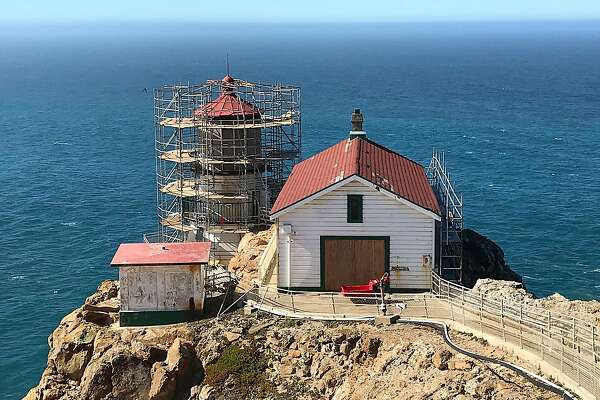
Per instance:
{"type": "Point", "coordinates": [354, 207]}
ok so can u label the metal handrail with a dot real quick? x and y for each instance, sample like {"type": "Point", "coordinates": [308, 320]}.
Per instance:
{"type": "Point", "coordinates": [567, 343]}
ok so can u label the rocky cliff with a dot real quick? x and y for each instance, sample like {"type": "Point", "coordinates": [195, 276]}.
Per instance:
{"type": "Point", "coordinates": [482, 258]}
{"type": "Point", "coordinates": [259, 356]}
{"type": "Point", "coordinates": [263, 357]}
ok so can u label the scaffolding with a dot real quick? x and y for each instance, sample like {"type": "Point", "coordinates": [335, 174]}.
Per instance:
{"type": "Point", "coordinates": [449, 230]}
{"type": "Point", "coordinates": [224, 149]}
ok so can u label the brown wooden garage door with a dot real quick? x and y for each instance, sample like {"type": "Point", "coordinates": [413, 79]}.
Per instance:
{"type": "Point", "coordinates": [352, 261]}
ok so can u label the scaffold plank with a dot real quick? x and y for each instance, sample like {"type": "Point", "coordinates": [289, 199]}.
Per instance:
{"type": "Point", "coordinates": [189, 188]}
{"type": "Point", "coordinates": [174, 221]}
{"type": "Point", "coordinates": [183, 123]}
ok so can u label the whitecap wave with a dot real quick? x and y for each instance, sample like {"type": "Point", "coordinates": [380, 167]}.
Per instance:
{"type": "Point", "coordinates": [17, 277]}
{"type": "Point", "coordinates": [68, 223]}
{"type": "Point", "coordinates": [57, 143]}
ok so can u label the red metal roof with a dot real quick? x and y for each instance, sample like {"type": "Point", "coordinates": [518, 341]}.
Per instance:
{"type": "Point", "coordinates": [371, 161]}
{"type": "Point", "coordinates": [161, 253]}
{"type": "Point", "coordinates": [228, 104]}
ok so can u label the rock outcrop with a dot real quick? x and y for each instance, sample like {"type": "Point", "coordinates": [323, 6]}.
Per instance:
{"type": "Point", "coordinates": [515, 292]}
{"type": "Point", "coordinates": [250, 248]}
{"type": "Point", "coordinates": [482, 258]}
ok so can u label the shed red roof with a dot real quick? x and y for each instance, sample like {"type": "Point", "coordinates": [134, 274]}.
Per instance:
{"type": "Point", "coordinates": [371, 161]}
{"type": "Point", "coordinates": [161, 253]}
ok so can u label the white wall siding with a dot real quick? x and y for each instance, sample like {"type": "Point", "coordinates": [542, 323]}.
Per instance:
{"type": "Point", "coordinates": [161, 287]}
{"type": "Point", "coordinates": [411, 235]}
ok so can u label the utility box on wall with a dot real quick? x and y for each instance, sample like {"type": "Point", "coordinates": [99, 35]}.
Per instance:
{"type": "Point", "coordinates": [161, 283]}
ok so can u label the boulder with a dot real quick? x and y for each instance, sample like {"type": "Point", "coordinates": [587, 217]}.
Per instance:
{"type": "Point", "coordinates": [180, 355]}
{"type": "Point", "coordinates": [110, 305]}
{"type": "Point", "coordinates": [460, 363]}
{"type": "Point", "coordinates": [207, 392]}
{"type": "Point", "coordinates": [107, 289]}
{"type": "Point", "coordinates": [371, 346]}
{"type": "Point", "coordinates": [232, 336]}
{"type": "Point", "coordinates": [482, 258]}
{"type": "Point", "coordinates": [440, 359]}
{"type": "Point", "coordinates": [163, 382]}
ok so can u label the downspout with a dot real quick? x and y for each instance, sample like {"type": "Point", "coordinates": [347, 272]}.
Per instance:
{"type": "Point", "coordinates": [289, 259]}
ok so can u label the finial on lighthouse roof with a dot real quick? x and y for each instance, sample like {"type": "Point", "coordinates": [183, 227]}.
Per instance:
{"type": "Point", "coordinates": [357, 125]}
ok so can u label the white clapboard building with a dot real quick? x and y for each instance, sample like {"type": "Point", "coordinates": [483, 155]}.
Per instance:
{"type": "Point", "coordinates": [353, 212]}
{"type": "Point", "coordinates": [161, 283]}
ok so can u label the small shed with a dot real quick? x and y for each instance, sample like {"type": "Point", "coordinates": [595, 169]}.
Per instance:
{"type": "Point", "coordinates": [161, 283]}
{"type": "Point", "coordinates": [353, 212]}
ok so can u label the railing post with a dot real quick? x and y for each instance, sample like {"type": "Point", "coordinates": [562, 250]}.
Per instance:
{"type": "Point", "coordinates": [562, 354]}
{"type": "Point", "coordinates": [549, 326]}
{"type": "Point", "coordinates": [521, 325]}
{"type": "Point", "coordinates": [293, 306]}
{"type": "Point", "coordinates": [502, 318]}
{"type": "Point", "coordinates": [594, 343]}
{"type": "Point", "coordinates": [542, 342]}
{"type": "Point", "coordinates": [463, 305]}
{"type": "Point", "coordinates": [425, 305]}
{"type": "Point", "coordinates": [333, 303]}
{"type": "Point", "coordinates": [481, 313]}
{"type": "Point", "coordinates": [262, 299]}
{"type": "Point", "coordinates": [574, 334]}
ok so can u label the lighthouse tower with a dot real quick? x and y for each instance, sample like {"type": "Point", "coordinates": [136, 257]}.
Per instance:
{"type": "Point", "coordinates": [224, 150]}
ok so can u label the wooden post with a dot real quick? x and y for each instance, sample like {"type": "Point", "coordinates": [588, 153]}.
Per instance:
{"type": "Point", "coordinates": [425, 305]}
{"type": "Point", "coordinates": [451, 310]}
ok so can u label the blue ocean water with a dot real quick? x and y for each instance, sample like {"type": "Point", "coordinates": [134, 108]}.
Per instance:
{"type": "Point", "coordinates": [515, 106]}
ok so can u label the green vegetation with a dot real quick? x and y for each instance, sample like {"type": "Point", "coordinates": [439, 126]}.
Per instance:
{"type": "Point", "coordinates": [245, 366]}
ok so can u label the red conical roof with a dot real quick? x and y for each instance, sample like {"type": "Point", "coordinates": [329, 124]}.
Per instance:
{"type": "Point", "coordinates": [228, 104]}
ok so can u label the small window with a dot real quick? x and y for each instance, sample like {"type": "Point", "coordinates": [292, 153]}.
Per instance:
{"type": "Point", "coordinates": [355, 208]}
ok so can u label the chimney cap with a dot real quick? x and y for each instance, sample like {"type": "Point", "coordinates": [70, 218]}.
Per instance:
{"type": "Point", "coordinates": [357, 125]}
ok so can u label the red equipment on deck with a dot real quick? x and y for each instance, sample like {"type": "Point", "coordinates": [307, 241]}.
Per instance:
{"type": "Point", "coordinates": [373, 286]}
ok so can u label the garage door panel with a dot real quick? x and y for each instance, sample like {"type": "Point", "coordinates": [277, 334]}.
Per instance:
{"type": "Point", "coordinates": [352, 261]}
